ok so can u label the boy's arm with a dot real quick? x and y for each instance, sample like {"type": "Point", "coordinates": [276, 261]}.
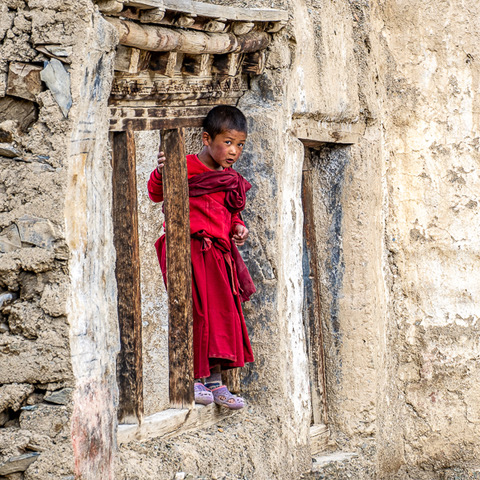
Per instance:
{"type": "Point", "coordinates": [238, 231]}
{"type": "Point", "coordinates": [155, 185]}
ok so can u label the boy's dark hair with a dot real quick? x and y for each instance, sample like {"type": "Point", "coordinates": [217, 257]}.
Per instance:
{"type": "Point", "coordinates": [222, 118]}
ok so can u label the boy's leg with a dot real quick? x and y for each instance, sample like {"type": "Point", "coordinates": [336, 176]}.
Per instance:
{"type": "Point", "coordinates": [215, 378]}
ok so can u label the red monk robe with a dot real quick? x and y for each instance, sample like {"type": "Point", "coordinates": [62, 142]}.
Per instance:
{"type": "Point", "coordinates": [219, 332]}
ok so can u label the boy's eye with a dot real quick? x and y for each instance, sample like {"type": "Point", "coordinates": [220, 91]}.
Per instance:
{"type": "Point", "coordinates": [228, 142]}
{"type": "Point", "coordinates": [241, 145]}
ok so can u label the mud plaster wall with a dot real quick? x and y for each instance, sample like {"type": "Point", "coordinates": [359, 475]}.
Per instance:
{"type": "Point", "coordinates": [431, 159]}
{"type": "Point", "coordinates": [59, 330]}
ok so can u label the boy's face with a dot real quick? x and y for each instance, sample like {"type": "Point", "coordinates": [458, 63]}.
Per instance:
{"type": "Point", "coordinates": [225, 149]}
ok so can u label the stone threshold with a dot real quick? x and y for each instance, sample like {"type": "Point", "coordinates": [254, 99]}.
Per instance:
{"type": "Point", "coordinates": [172, 422]}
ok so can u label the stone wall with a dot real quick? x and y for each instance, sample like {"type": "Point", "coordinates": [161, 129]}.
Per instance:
{"type": "Point", "coordinates": [58, 316]}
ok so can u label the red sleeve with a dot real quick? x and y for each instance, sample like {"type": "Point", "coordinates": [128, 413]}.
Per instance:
{"type": "Point", "coordinates": [236, 220]}
{"type": "Point", "coordinates": [155, 186]}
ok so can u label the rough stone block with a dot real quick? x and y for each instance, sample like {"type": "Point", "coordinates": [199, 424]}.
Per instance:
{"type": "Point", "coordinates": [60, 397]}
{"type": "Point", "coordinates": [7, 150]}
{"type": "Point", "coordinates": [22, 112]}
{"type": "Point", "coordinates": [10, 239]}
{"type": "Point", "coordinates": [13, 395]}
{"type": "Point", "coordinates": [18, 464]}
{"type": "Point", "coordinates": [25, 319]}
{"type": "Point", "coordinates": [24, 80]}
{"type": "Point", "coordinates": [54, 299]}
{"type": "Point", "coordinates": [36, 231]}
{"type": "Point", "coordinates": [58, 81]}
{"type": "Point", "coordinates": [43, 361]}
{"type": "Point", "coordinates": [45, 419]}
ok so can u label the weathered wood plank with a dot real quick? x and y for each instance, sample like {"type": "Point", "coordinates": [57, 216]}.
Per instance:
{"type": "Point", "coordinates": [125, 228]}
{"type": "Point", "coordinates": [316, 132]}
{"type": "Point", "coordinates": [119, 125]}
{"type": "Point", "coordinates": [131, 60]}
{"type": "Point", "coordinates": [203, 9]}
{"type": "Point", "coordinates": [317, 355]}
{"type": "Point", "coordinates": [162, 39]}
{"type": "Point", "coordinates": [319, 436]}
{"type": "Point", "coordinates": [173, 422]}
{"type": "Point", "coordinates": [179, 270]}
{"type": "Point", "coordinates": [231, 378]}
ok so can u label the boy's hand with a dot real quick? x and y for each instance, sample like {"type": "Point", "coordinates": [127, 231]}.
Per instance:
{"type": "Point", "coordinates": [240, 234]}
{"type": "Point", "coordinates": [160, 161]}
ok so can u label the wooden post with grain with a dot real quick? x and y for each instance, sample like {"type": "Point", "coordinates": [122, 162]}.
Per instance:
{"type": "Point", "coordinates": [179, 269]}
{"type": "Point", "coordinates": [125, 226]}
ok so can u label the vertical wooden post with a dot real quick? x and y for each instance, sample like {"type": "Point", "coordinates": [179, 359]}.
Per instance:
{"type": "Point", "coordinates": [179, 269]}
{"type": "Point", "coordinates": [125, 226]}
{"type": "Point", "coordinates": [317, 355]}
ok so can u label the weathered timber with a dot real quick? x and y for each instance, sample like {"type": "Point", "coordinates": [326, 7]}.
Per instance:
{"type": "Point", "coordinates": [315, 340]}
{"type": "Point", "coordinates": [227, 64]}
{"type": "Point", "coordinates": [203, 9]}
{"type": "Point", "coordinates": [137, 124]}
{"type": "Point", "coordinates": [179, 270]}
{"type": "Point", "coordinates": [231, 378]}
{"type": "Point", "coordinates": [24, 80]}
{"type": "Point", "coordinates": [241, 28]}
{"type": "Point", "coordinates": [319, 436]}
{"type": "Point", "coordinates": [162, 39]}
{"type": "Point", "coordinates": [173, 422]}
{"type": "Point", "coordinates": [131, 60]}
{"type": "Point", "coordinates": [125, 228]}
{"type": "Point", "coordinates": [217, 25]}
{"type": "Point", "coordinates": [163, 63]}
{"type": "Point", "coordinates": [185, 21]}
{"type": "Point", "coordinates": [147, 86]}
{"type": "Point", "coordinates": [156, 15]}
{"type": "Point", "coordinates": [274, 27]}
{"type": "Point", "coordinates": [110, 6]}
{"type": "Point", "coordinates": [314, 133]}
{"type": "Point", "coordinates": [196, 65]}
{"type": "Point", "coordinates": [254, 63]}
{"type": "Point", "coordinates": [144, 3]}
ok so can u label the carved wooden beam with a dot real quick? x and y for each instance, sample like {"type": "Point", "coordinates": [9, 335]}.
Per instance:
{"type": "Point", "coordinates": [193, 8]}
{"type": "Point", "coordinates": [161, 39]}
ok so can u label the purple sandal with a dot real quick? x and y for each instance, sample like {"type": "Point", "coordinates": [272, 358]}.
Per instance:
{"type": "Point", "coordinates": [221, 396]}
{"type": "Point", "coordinates": [203, 395]}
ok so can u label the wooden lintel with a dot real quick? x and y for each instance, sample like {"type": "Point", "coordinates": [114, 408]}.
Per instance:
{"type": "Point", "coordinates": [162, 39]}
{"type": "Point", "coordinates": [215, 26]}
{"type": "Point", "coordinates": [119, 125]}
{"type": "Point", "coordinates": [197, 65]}
{"type": "Point", "coordinates": [173, 422]}
{"type": "Point", "coordinates": [156, 15]}
{"type": "Point", "coordinates": [254, 63]}
{"type": "Point", "coordinates": [179, 270]}
{"type": "Point", "coordinates": [131, 60]}
{"type": "Point", "coordinates": [125, 229]}
{"type": "Point", "coordinates": [110, 6]}
{"type": "Point", "coordinates": [163, 63]}
{"type": "Point", "coordinates": [185, 21]}
{"type": "Point", "coordinates": [314, 133]}
{"type": "Point", "coordinates": [227, 64]}
{"type": "Point", "coordinates": [203, 9]}
{"type": "Point", "coordinates": [144, 3]}
{"type": "Point", "coordinates": [241, 28]}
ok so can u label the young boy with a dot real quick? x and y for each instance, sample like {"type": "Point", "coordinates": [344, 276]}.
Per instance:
{"type": "Point", "coordinates": [220, 279]}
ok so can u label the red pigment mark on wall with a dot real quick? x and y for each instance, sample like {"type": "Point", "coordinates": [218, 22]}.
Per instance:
{"type": "Point", "coordinates": [93, 425]}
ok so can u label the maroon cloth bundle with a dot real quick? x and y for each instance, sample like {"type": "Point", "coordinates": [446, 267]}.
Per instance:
{"type": "Point", "coordinates": [228, 181]}
{"type": "Point", "coordinates": [235, 186]}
